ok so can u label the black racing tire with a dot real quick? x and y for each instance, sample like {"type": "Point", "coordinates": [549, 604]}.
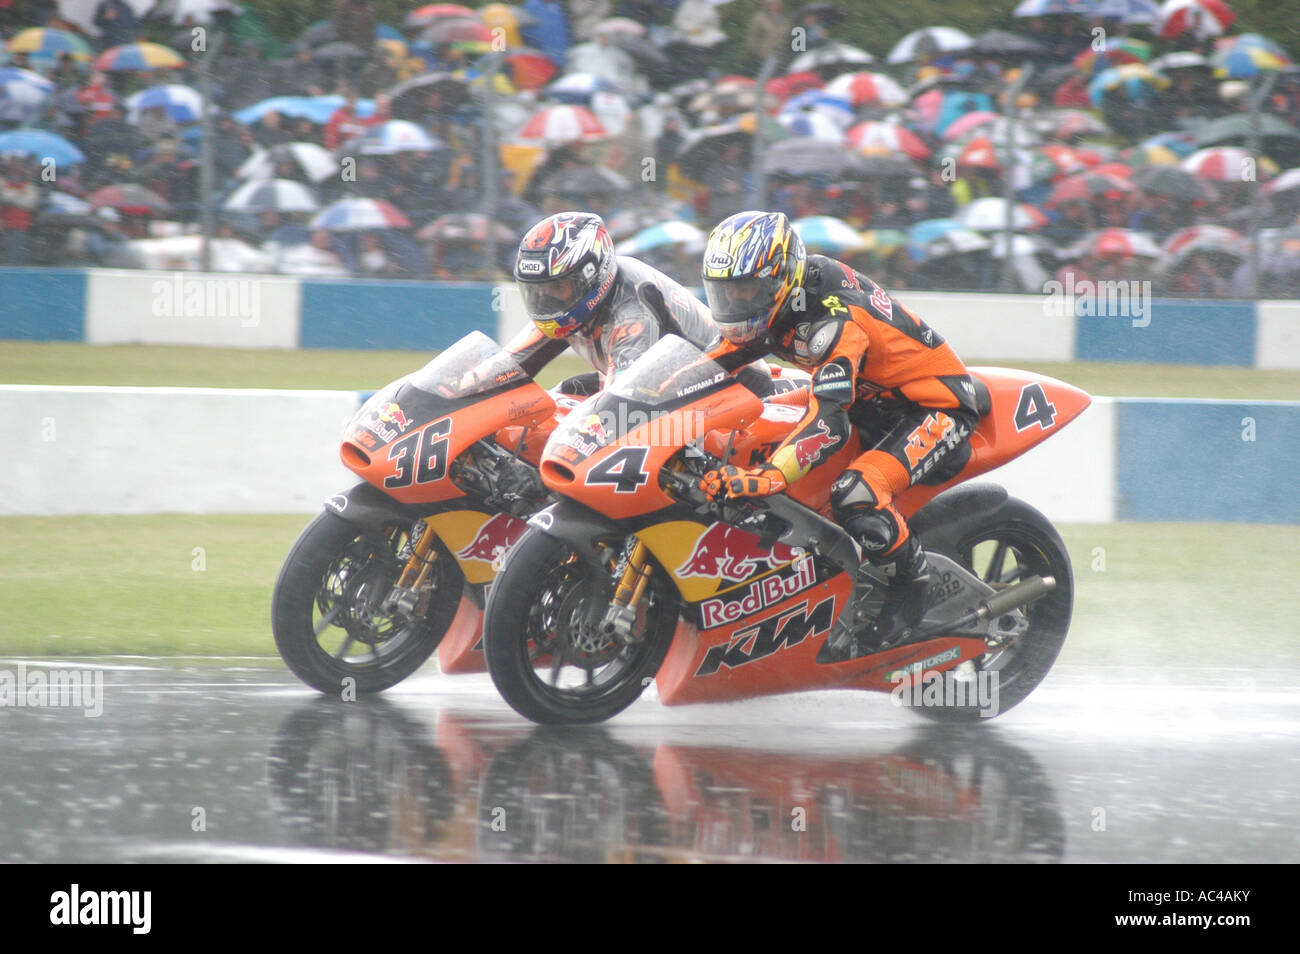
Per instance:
{"type": "Point", "coordinates": [541, 590]}
{"type": "Point", "coordinates": [1036, 548]}
{"type": "Point", "coordinates": [330, 564]}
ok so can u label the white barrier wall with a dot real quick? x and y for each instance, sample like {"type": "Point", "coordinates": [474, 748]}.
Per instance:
{"type": "Point", "coordinates": [1277, 334]}
{"type": "Point", "coordinates": [994, 327]}
{"type": "Point", "coordinates": [81, 450]}
{"type": "Point", "coordinates": [188, 308]}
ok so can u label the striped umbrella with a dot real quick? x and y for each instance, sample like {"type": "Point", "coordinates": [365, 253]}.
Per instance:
{"type": "Point", "coordinates": [812, 125]}
{"type": "Point", "coordinates": [360, 215]}
{"type": "Point", "coordinates": [41, 145]}
{"type": "Point", "coordinates": [1228, 164]}
{"type": "Point", "coordinates": [138, 56]}
{"type": "Point", "coordinates": [1116, 52]}
{"type": "Point", "coordinates": [316, 162]}
{"type": "Point", "coordinates": [129, 198]}
{"type": "Point", "coordinates": [271, 195]}
{"type": "Point", "coordinates": [394, 136]}
{"type": "Point", "coordinates": [827, 235]}
{"type": "Point", "coordinates": [22, 94]}
{"type": "Point", "coordinates": [1251, 41]}
{"type": "Point", "coordinates": [867, 89]}
{"type": "Point", "coordinates": [182, 103]}
{"type": "Point", "coordinates": [432, 12]}
{"type": "Point", "coordinates": [1119, 243]}
{"type": "Point", "coordinates": [44, 43]}
{"type": "Point", "coordinates": [928, 42]}
{"type": "Point", "coordinates": [1202, 17]}
{"type": "Point", "coordinates": [891, 136]}
{"type": "Point", "coordinates": [1137, 81]}
{"type": "Point", "coordinates": [556, 125]}
{"type": "Point", "coordinates": [1206, 238]}
{"type": "Point", "coordinates": [1088, 186]}
{"type": "Point", "coordinates": [830, 56]}
{"type": "Point", "coordinates": [1150, 155]}
{"type": "Point", "coordinates": [676, 232]}
{"type": "Point", "coordinates": [1240, 62]}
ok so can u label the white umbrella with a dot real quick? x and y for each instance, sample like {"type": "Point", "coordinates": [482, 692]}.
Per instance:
{"type": "Point", "coordinates": [316, 161]}
{"type": "Point", "coordinates": [272, 195]}
{"type": "Point", "coordinates": [939, 39]}
{"type": "Point", "coordinates": [830, 54]}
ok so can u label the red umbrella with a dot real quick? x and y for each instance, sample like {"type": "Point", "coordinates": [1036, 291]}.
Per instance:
{"type": "Point", "coordinates": [1087, 186]}
{"type": "Point", "coordinates": [1117, 169]}
{"type": "Point", "coordinates": [1120, 243]}
{"type": "Point", "coordinates": [1070, 159]}
{"type": "Point", "coordinates": [891, 136]}
{"type": "Point", "coordinates": [561, 124]}
{"type": "Point", "coordinates": [1227, 164]}
{"type": "Point", "coordinates": [530, 69]}
{"type": "Point", "coordinates": [131, 199]}
{"type": "Point", "coordinates": [792, 84]}
{"type": "Point", "coordinates": [429, 13]}
{"type": "Point", "coordinates": [961, 126]}
{"type": "Point", "coordinates": [1203, 17]}
{"type": "Point", "coordinates": [979, 154]}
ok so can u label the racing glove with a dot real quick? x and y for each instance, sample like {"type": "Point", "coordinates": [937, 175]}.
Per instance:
{"type": "Point", "coordinates": [733, 481]}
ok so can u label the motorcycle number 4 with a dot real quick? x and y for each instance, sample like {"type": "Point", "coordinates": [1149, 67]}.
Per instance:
{"type": "Point", "coordinates": [425, 465]}
{"type": "Point", "coordinates": [625, 469]}
{"type": "Point", "coordinates": [1034, 408]}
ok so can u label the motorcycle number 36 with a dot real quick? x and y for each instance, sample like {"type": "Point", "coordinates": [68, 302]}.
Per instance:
{"type": "Point", "coordinates": [427, 464]}
{"type": "Point", "coordinates": [625, 469]}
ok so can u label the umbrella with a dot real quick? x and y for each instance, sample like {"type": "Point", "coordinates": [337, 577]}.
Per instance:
{"type": "Point", "coordinates": [936, 238]}
{"type": "Point", "coordinates": [1227, 164]}
{"type": "Point", "coordinates": [813, 126]}
{"type": "Point", "coordinates": [1051, 8]}
{"type": "Point", "coordinates": [318, 109]}
{"type": "Point", "coordinates": [927, 42]}
{"type": "Point", "coordinates": [619, 26]}
{"type": "Point", "coordinates": [673, 233]}
{"type": "Point", "coordinates": [1020, 245]}
{"type": "Point", "coordinates": [315, 162]}
{"type": "Point", "coordinates": [432, 12]}
{"type": "Point", "coordinates": [725, 96]}
{"type": "Point", "coordinates": [1181, 144]}
{"type": "Point", "coordinates": [466, 227]}
{"type": "Point", "coordinates": [827, 235]}
{"type": "Point", "coordinates": [360, 215]}
{"type": "Point", "coordinates": [394, 136]}
{"type": "Point", "coordinates": [448, 31]}
{"type": "Point", "coordinates": [792, 84]}
{"type": "Point", "coordinates": [407, 98]}
{"type": "Point", "coordinates": [1236, 128]}
{"type": "Point", "coordinates": [1070, 160]}
{"type": "Point", "coordinates": [1087, 186]}
{"type": "Point", "coordinates": [138, 56]}
{"type": "Point", "coordinates": [1116, 52]}
{"type": "Point", "coordinates": [1240, 62]}
{"type": "Point", "coordinates": [576, 89]}
{"type": "Point", "coordinates": [1150, 155]}
{"type": "Point", "coordinates": [46, 44]}
{"type": "Point", "coordinates": [1129, 11]}
{"type": "Point", "coordinates": [183, 104]}
{"type": "Point", "coordinates": [959, 128]}
{"type": "Point", "coordinates": [1070, 124]}
{"type": "Point", "coordinates": [805, 157]}
{"type": "Point", "coordinates": [1251, 41]}
{"type": "Point", "coordinates": [1136, 80]}
{"type": "Point", "coordinates": [1118, 243]}
{"type": "Point", "coordinates": [883, 165]}
{"type": "Point", "coordinates": [528, 69]}
{"type": "Point", "coordinates": [1002, 43]}
{"type": "Point", "coordinates": [132, 199]}
{"type": "Point", "coordinates": [1201, 17]}
{"type": "Point", "coordinates": [39, 144]}
{"type": "Point", "coordinates": [1286, 182]}
{"type": "Point", "coordinates": [584, 181]}
{"type": "Point", "coordinates": [890, 136]}
{"type": "Point", "coordinates": [990, 215]}
{"type": "Point", "coordinates": [1206, 238]}
{"type": "Point", "coordinates": [64, 203]}
{"type": "Point", "coordinates": [271, 195]}
{"type": "Point", "coordinates": [867, 89]}
{"type": "Point", "coordinates": [1180, 60]}
{"type": "Point", "coordinates": [22, 94]}
{"type": "Point", "coordinates": [829, 57]}
{"type": "Point", "coordinates": [556, 125]}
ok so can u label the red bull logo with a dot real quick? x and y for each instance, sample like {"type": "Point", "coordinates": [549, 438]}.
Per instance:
{"type": "Point", "coordinates": [390, 413]}
{"type": "Point", "coordinates": [724, 551]}
{"type": "Point", "coordinates": [493, 539]}
{"type": "Point", "coordinates": [808, 451]}
{"type": "Point", "coordinates": [594, 428]}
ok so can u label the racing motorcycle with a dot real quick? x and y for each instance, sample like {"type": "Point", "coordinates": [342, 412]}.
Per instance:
{"type": "Point", "coordinates": [400, 564]}
{"type": "Point", "coordinates": [634, 576]}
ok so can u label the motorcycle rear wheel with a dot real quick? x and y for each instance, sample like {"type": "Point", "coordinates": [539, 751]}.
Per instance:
{"type": "Point", "coordinates": [325, 616]}
{"type": "Point", "coordinates": [540, 654]}
{"type": "Point", "coordinates": [1012, 543]}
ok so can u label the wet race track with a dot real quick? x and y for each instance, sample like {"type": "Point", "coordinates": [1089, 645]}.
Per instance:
{"type": "Point", "coordinates": [233, 761]}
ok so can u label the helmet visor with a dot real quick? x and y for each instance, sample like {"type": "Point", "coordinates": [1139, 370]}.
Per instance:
{"type": "Point", "coordinates": [552, 300]}
{"type": "Point", "coordinates": [741, 306]}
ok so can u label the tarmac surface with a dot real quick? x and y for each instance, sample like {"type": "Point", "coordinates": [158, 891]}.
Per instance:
{"type": "Point", "coordinates": [235, 761]}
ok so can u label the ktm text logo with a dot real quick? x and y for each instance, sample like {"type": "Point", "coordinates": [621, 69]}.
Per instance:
{"type": "Point", "coordinates": [771, 635]}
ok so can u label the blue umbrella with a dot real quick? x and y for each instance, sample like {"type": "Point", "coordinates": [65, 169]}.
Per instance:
{"type": "Point", "coordinates": [22, 93]}
{"type": "Point", "coordinates": [957, 104]}
{"type": "Point", "coordinates": [41, 145]}
{"type": "Point", "coordinates": [1050, 8]}
{"type": "Point", "coordinates": [1181, 144]}
{"type": "Point", "coordinates": [182, 103]}
{"type": "Point", "coordinates": [318, 109]}
{"type": "Point", "coordinates": [577, 89]}
{"type": "Point", "coordinates": [836, 108]}
{"type": "Point", "coordinates": [935, 237]}
{"type": "Point", "coordinates": [1129, 11]}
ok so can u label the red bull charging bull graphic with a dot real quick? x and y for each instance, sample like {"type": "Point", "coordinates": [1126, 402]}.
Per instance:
{"type": "Point", "coordinates": [808, 450]}
{"type": "Point", "coordinates": [493, 539]}
{"type": "Point", "coordinates": [727, 552]}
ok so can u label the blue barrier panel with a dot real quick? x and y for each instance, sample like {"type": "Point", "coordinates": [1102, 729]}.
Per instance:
{"type": "Point", "coordinates": [1208, 460]}
{"type": "Point", "coordinates": [421, 316]}
{"type": "Point", "coordinates": [45, 304]}
{"type": "Point", "coordinates": [1170, 331]}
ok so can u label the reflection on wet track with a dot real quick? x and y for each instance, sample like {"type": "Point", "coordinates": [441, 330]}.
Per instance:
{"type": "Point", "coordinates": [222, 764]}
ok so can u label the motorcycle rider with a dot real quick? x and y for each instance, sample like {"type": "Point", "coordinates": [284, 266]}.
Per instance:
{"type": "Point", "coordinates": [608, 308]}
{"type": "Point", "coordinates": [876, 366]}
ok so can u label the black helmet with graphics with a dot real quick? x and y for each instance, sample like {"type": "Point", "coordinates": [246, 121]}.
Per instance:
{"type": "Point", "coordinates": [752, 264]}
{"type": "Point", "coordinates": [564, 270]}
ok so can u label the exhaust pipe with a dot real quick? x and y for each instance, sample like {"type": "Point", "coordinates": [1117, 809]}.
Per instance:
{"type": "Point", "coordinates": [1023, 593]}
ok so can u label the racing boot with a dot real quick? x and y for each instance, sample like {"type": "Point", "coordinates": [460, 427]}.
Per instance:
{"type": "Point", "coordinates": [904, 604]}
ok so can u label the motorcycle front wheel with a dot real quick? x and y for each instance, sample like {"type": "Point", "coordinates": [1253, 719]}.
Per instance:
{"type": "Point", "coordinates": [327, 611]}
{"type": "Point", "coordinates": [545, 658]}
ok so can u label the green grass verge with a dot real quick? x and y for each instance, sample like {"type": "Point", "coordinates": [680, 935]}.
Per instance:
{"type": "Point", "coordinates": [28, 362]}
{"type": "Point", "coordinates": [1147, 593]}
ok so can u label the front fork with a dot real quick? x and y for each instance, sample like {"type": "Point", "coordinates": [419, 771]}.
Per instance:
{"type": "Point", "coordinates": [405, 594]}
{"type": "Point", "coordinates": [620, 619]}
